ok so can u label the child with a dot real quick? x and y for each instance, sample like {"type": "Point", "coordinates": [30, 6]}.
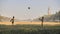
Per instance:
{"type": "Point", "coordinates": [12, 20]}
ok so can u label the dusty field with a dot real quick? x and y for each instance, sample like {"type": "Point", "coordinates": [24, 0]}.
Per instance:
{"type": "Point", "coordinates": [37, 23]}
{"type": "Point", "coordinates": [29, 29]}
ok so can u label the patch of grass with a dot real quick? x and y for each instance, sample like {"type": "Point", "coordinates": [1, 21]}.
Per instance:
{"type": "Point", "coordinates": [29, 29]}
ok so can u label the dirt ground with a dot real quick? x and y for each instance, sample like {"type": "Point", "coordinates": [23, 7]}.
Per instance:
{"type": "Point", "coordinates": [26, 22]}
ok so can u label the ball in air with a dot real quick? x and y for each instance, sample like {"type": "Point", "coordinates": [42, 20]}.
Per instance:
{"type": "Point", "coordinates": [28, 7]}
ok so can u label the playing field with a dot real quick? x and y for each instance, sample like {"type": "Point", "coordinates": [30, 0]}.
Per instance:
{"type": "Point", "coordinates": [29, 28]}
{"type": "Point", "coordinates": [26, 22]}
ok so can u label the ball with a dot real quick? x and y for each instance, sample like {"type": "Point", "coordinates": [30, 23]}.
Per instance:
{"type": "Point", "coordinates": [28, 7]}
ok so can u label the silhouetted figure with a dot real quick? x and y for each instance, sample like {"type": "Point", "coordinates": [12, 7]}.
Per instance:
{"type": "Point", "coordinates": [42, 21]}
{"type": "Point", "coordinates": [12, 20]}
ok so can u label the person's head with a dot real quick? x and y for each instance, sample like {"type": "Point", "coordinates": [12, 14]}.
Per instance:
{"type": "Point", "coordinates": [13, 17]}
{"type": "Point", "coordinates": [42, 16]}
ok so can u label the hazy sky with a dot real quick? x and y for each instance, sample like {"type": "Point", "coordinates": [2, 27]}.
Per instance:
{"type": "Point", "coordinates": [19, 8]}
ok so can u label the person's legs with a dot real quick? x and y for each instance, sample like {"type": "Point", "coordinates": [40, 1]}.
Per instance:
{"type": "Point", "coordinates": [12, 23]}
{"type": "Point", "coordinates": [42, 24]}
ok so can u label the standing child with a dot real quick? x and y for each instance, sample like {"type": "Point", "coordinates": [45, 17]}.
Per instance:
{"type": "Point", "coordinates": [42, 21]}
{"type": "Point", "coordinates": [12, 20]}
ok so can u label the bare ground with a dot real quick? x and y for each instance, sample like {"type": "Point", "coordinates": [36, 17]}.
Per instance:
{"type": "Point", "coordinates": [25, 22]}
